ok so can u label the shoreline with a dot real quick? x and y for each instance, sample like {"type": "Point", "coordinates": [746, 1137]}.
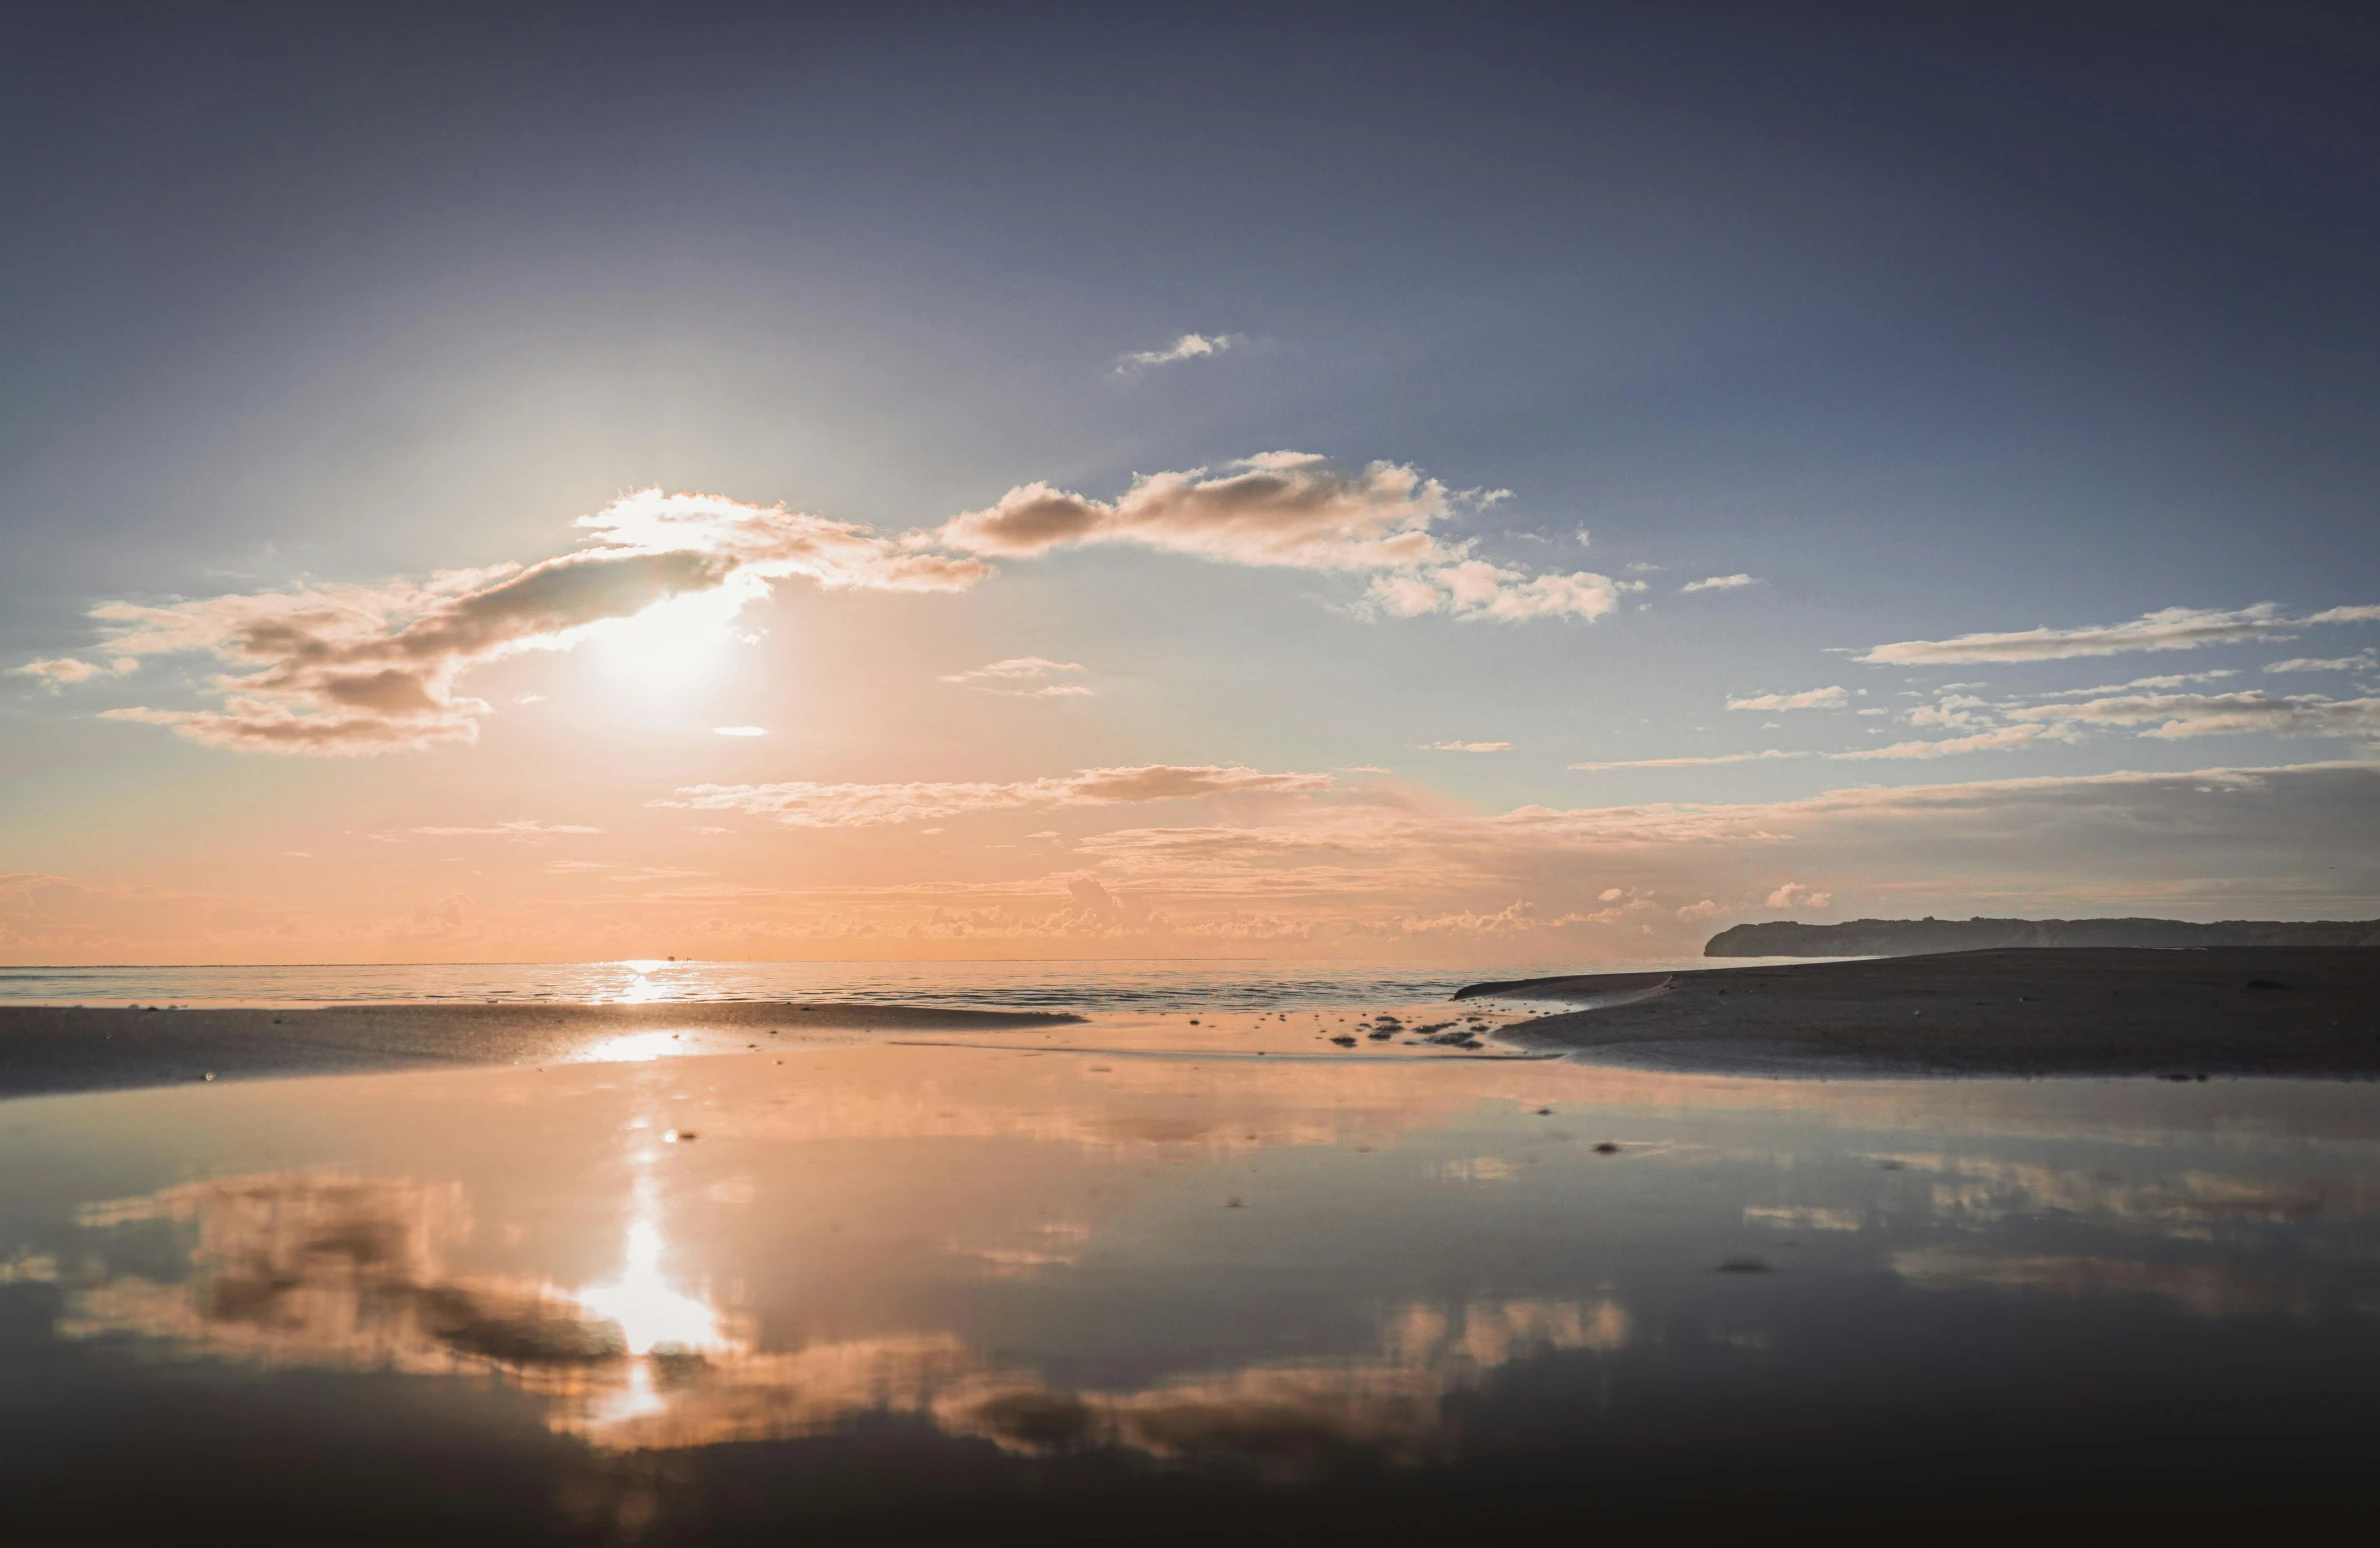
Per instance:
{"type": "Point", "coordinates": [2294, 1012]}
{"type": "Point", "coordinates": [50, 1050]}
{"type": "Point", "coordinates": [2303, 1012]}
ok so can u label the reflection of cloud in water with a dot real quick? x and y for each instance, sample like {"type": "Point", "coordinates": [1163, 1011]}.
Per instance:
{"type": "Point", "coordinates": [293, 1269]}
{"type": "Point", "coordinates": [1981, 1190]}
{"type": "Point", "coordinates": [326, 1270]}
{"type": "Point", "coordinates": [2202, 1289]}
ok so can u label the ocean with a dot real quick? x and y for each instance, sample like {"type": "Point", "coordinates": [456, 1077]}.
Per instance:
{"type": "Point", "coordinates": [1153, 984]}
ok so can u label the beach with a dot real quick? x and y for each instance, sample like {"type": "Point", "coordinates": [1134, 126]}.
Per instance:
{"type": "Point", "coordinates": [2224, 1012]}
{"type": "Point", "coordinates": [2051, 1012]}
{"type": "Point", "coordinates": [53, 1049]}
{"type": "Point", "coordinates": [2305, 1012]}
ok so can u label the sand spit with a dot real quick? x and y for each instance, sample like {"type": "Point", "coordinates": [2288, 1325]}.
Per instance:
{"type": "Point", "coordinates": [54, 1049]}
{"type": "Point", "coordinates": [2299, 1011]}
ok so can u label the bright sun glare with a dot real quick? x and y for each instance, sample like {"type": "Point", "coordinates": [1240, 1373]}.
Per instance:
{"type": "Point", "coordinates": [673, 640]}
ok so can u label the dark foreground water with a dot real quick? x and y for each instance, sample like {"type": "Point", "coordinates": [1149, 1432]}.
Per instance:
{"type": "Point", "coordinates": [892, 1294]}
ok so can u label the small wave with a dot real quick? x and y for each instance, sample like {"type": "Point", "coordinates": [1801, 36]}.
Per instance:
{"type": "Point", "coordinates": [1146, 986]}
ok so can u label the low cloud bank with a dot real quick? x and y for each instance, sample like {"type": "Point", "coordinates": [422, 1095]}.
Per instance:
{"type": "Point", "coordinates": [1296, 867]}
{"type": "Point", "coordinates": [802, 804]}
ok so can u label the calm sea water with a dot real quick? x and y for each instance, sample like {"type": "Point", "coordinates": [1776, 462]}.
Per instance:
{"type": "Point", "coordinates": [1142, 985]}
{"type": "Point", "coordinates": [1004, 1294]}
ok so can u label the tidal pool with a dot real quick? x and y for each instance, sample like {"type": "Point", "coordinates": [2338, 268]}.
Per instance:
{"type": "Point", "coordinates": [1006, 1293]}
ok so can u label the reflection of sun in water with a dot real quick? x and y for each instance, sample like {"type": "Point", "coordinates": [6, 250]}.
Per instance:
{"type": "Point", "coordinates": [641, 990]}
{"type": "Point", "coordinates": [652, 1317]}
{"type": "Point", "coordinates": [633, 1048]}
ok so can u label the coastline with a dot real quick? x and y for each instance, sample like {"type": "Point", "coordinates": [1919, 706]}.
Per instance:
{"type": "Point", "coordinates": [2306, 1012]}
{"type": "Point", "coordinates": [2300, 1012]}
{"type": "Point", "coordinates": [53, 1050]}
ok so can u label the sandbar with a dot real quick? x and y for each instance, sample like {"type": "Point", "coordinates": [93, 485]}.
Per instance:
{"type": "Point", "coordinates": [2276, 1011]}
{"type": "Point", "coordinates": [48, 1050]}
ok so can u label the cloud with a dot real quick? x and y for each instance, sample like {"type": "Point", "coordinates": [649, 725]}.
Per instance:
{"type": "Point", "coordinates": [2362, 663]}
{"type": "Point", "coordinates": [1469, 747]}
{"type": "Point", "coordinates": [1720, 583]}
{"type": "Point", "coordinates": [1688, 763]}
{"type": "Point", "coordinates": [358, 670]}
{"type": "Point", "coordinates": [1015, 668]}
{"type": "Point", "coordinates": [2172, 628]}
{"type": "Point", "coordinates": [739, 731]}
{"type": "Point", "coordinates": [1795, 895]}
{"type": "Point", "coordinates": [802, 804]}
{"type": "Point", "coordinates": [2222, 714]}
{"type": "Point", "coordinates": [1353, 872]}
{"type": "Point", "coordinates": [523, 831]}
{"type": "Point", "coordinates": [1190, 346]}
{"type": "Point", "coordinates": [1997, 739]}
{"type": "Point", "coordinates": [60, 671]}
{"type": "Point", "coordinates": [1279, 508]}
{"type": "Point", "coordinates": [1474, 588]}
{"type": "Point", "coordinates": [1814, 698]}
{"type": "Point", "coordinates": [2172, 680]}
{"type": "Point", "coordinates": [1003, 677]}
{"type": "Point", "coordinates": [1291, 510]}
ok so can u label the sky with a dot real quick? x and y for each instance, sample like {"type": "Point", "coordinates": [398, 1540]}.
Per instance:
{"type": "Point", "coordinates": [1493, 483]}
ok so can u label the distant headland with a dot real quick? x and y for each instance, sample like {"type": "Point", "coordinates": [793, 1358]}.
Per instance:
{"type": "Point", "coordinates": [1916, 937]}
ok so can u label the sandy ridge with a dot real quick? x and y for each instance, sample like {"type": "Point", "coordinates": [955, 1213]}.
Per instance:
{"type": "Point", "coordinates": [51, 1049]}
{"type": "Point", "coordinates": [2302, 1011]}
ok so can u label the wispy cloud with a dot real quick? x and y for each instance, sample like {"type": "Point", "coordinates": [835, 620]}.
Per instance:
{"type": "Point", "coordinates": [1721, 582]}
{"type": "Point", "coordinates": [2362, 663]}
{"type": "Point", "coordinates": [1813, 698]}
{"type": "Point", "coordinates": [2172, 628]}
{"type": "Point", "coordinates": [358, 670]}
{"type": "Point", "coordinates": [2223, 714]}
{"type": "Point", "coordinates": [1984, 726]}
{"type": "Point", "coordinates": [520, 831]}
{"type": "Point", "coordinates": [1689, 763]}
{"type": "Point", "coordinates": [807, 805]}
{"type": "Point", "coordinates": [2170, 680]}
{"type": "Point", "coordinates": [1011, 677]}
{"type": "Point", "coordinates": [1467, 747]}
{"type": "Point", "coordinates": [1996, 739]}
{"type": "Point", "coordinates": [1190, 346]}
{"type": "Point", "coordinates": [60, 671]}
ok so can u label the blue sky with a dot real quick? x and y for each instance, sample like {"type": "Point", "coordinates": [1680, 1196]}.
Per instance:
{"type": "Point", "coordinates": [1931, 327]}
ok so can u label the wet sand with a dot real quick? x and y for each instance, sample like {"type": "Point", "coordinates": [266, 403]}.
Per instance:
{"type": "Point", "coordinates": [2177, 1014]}
{"type": "Point", "coordinates": [54, 1049]}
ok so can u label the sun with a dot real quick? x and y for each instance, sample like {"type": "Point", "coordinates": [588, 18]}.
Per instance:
{"type": "Point", "coordinates": [671, 641]}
